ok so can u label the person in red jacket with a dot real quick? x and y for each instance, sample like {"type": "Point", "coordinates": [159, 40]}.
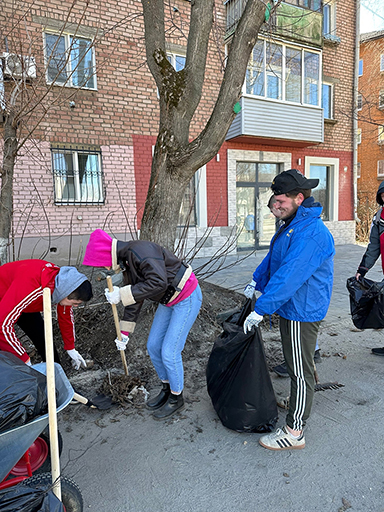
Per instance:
{"type": "Point", "coordinates": [21, 303]}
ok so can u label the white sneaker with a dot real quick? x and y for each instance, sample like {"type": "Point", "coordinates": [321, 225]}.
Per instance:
{"type": "Point", "coordinates": [282, 440]}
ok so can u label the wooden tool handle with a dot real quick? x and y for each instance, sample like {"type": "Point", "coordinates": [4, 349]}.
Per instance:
{"type": "Point", "coordinates": [117, 325]}
{"type": "Point", "coordinates": [51, 394]}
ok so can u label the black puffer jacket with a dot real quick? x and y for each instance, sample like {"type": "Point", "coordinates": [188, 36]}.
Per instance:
{"type": "Point", "coordinates": [149, 271]}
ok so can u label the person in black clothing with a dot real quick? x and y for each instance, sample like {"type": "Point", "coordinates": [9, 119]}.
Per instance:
{"type": "Point", "coordinates": [375, 247]}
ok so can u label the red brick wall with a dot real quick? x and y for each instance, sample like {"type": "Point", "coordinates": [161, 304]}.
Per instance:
{"type": "Point", "coordinates": [123, 112]}
{"type": "Point", "coordinates": [370, 117]}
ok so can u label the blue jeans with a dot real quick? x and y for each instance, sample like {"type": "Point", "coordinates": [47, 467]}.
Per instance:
{"type": "Point", "coordinates": [168, 335]}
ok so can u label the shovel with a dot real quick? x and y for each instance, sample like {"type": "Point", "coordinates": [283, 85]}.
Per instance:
{"type": "Point", "coordinates": [117, 325]}
{"type": "Point", "coordinates": [101, 402]}
{"type": "Point", "coordinates": [51, 394]}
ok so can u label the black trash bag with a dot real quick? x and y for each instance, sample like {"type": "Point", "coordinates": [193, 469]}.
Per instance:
{"type": "Point", "coordinates": [238, 379]}
{"type": "Point", "coordinates": [23, 394]}
{"type": "Point", "coordinates": [28, 499]}
{"type": "Point", "coordinates": [367, 303]}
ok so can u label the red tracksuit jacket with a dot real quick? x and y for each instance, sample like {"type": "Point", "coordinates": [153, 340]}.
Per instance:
{"type": "Point", "coordinates": [21, 291]}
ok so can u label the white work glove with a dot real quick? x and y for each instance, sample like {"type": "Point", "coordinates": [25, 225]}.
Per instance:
{"type": "Point", "coordinates": [113, 297]}
{"type": "Point", "coordinates": [252, 320]}
{"type": "Point", "coordinates": [122, 344]}
{"type": "Point", "coordinates": [249, 290]}
{"type": "Point", "coordinates": [77, 359]}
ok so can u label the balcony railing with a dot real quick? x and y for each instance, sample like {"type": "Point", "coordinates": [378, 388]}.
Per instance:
{"type": "Point", "coordinates": [297, 20]}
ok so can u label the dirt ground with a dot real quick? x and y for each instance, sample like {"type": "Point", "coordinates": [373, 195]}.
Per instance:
{"type": "Point", "coordinates": [95, 334]}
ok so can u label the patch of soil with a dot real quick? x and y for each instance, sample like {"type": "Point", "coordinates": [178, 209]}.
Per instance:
{"type": "Point", "coordinates": [122, 388]}
{"type": "Point", "coordinates": [95, 335]}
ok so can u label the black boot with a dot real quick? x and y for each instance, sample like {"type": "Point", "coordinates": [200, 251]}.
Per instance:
{"type": "Point", "coordinates": [174, 404]}
{"type": "Point", "coordinates": [159, 400]}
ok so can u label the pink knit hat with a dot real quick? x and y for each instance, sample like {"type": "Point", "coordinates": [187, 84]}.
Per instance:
{"type": "Point", "coordinates": [98, 252]}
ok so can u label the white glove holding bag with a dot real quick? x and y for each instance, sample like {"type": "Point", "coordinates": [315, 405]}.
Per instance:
{"type": "Point", "coordinates": [77, 359]}
{"type": "Point", "coordinates": [113, 297]}
{"type": "Point", "coordinates": [122, 344]}
{"type": "Point", "coordinates": [250, 289]}
{"type": "Point", "coordinates": [252, 320]}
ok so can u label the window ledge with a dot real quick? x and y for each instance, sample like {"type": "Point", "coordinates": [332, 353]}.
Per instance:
{"type": "Point", "coordinates": [330, 121]}
{"type": "Point", "coordinates": [331, 40]}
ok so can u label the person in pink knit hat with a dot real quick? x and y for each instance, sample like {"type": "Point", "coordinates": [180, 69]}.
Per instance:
{"type": "Point", "coordinates": [152, 272]}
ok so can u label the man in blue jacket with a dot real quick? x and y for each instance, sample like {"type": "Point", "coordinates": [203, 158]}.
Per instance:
{"type": "Point", "coordinates": [295, 279]}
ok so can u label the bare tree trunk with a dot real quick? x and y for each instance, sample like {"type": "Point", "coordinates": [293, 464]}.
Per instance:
{"type": "Point", "coordinates": [165, 195]}
{"type": "Point", "coordinates": [6, 193]}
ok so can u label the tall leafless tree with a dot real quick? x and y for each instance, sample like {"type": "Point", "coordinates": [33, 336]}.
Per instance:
{"type": "Point", "coordinates": [176, 158]}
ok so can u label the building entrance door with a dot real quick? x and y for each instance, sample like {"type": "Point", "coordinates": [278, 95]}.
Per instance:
{"type": "Point", "coordinates": [255, 222]}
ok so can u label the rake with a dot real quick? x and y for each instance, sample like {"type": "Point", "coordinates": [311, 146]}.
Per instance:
{"type": "Point", "coordinates": [284, 402]}
{"type": "Point", "coordinates": [326, 385]}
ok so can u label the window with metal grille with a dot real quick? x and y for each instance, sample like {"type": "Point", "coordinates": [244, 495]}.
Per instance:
{"type": "Point", "coordinates": [70, 61]}
{"type": "Point", "coordinates": [381, 99]}
{"type": "Point", "coordinates": [359, 101]}
{"type": "Point", "coordinates": [77, 176]}
{"type": "Point", "coordinates": [381, 134]}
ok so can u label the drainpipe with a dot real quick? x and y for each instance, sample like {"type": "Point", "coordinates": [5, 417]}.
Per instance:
{"type": "Point", "coordinates": [355, 92]}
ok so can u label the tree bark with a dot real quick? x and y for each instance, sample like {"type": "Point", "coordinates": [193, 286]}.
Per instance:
{"type": "Point", "coordinates": [6, 192]}
{"type": "Point", "coordinates": [176, 158]}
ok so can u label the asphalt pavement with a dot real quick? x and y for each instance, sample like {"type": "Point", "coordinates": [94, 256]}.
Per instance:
{"type": "Point", "coordinates": [127, 462]}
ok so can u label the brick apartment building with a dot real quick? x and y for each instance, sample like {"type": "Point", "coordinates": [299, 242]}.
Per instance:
{"type": "Point", "coordinates": [87, 165]}
{"type": "Point", "coordinates": [370, 116]}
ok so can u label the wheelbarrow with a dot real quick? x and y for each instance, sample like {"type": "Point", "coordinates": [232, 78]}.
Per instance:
{"type": "Point", "coordinates": [15, 443]}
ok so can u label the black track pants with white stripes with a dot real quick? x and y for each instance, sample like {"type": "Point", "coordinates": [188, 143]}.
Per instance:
{"type": "Point", "coordinates": [299, 342]}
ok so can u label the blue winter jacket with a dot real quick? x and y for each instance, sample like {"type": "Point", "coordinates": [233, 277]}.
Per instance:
{"type": "Point", "coordinates": [296, 276]}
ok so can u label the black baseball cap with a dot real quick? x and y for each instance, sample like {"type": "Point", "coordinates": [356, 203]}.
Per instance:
{"type": "Point", "coordinates": [291, 179]}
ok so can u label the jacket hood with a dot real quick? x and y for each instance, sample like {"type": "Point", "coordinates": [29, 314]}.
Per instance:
{"type": "Point", "coordinates": [378, 195]}
{"type": "Point", "coordinates": [311, 203]}
{"type": "Point", "coordinates": [66, 281]}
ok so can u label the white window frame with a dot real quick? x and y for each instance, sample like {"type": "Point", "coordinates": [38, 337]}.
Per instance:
{"type": "Point", "coordinates": [380, 168]}
{"type": "Point", "coordinates": [333, 164]}
{"type": "Point", "coordinates": [69, 72]}
{"type": "Point", "coordinates": [172, 56]}
{"type": "Point", "coordinates": [361, 66]}
{"type": "Point", "coordinates": [331, 86]}
{"type": "Point", "coordinates": [58, 186]}
{"type": "Point", "coordinates": [282, 78]}
{"type": "Point", "coordinates": [380, 134]}
{"type": "Point", "coordinates": [329, 6]}
{"type": "Point", "coordinates": [358, 135]}
{"type": "Point", "coordinates": [359, 105]}
{"type": "Point", "coordinates": [381, 62]}
{"type": "Point", "coordinates": [201, 197]}
{"type": "Point", "coordinates": [381, 99]}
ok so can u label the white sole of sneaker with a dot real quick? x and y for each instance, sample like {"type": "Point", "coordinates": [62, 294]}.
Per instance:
{"type": "Point", "coordinates": [299, 447]}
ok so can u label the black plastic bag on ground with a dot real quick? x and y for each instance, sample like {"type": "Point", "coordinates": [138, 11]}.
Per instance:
{"type": "Point", "coordinates": [238, 379]}
{"type": "Point", "coordinates": [27, 499]}
{"type": "Point", "coordinates": [366, 299]}
{"type": "Point", "coordinates": [23, 394]}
